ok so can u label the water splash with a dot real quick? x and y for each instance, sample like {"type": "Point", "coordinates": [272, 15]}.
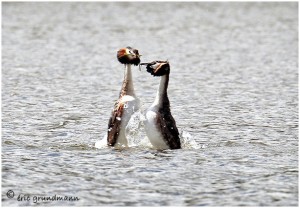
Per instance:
{"type": "Point", "coordinates": [135, 133]}
{"type": "Point", "coordinates": [188, 142]}
{"type": "Point", "coordinates": [101, 144]}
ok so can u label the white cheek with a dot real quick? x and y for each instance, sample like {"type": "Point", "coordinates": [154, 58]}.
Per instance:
{"type": "Point", "coordinates": [129, 51]}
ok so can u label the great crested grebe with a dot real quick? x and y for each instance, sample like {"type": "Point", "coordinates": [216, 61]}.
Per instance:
{"type": "Point", "coordinates": [160, 125]}
{"type": "Point", "coordinates": [127, 103]}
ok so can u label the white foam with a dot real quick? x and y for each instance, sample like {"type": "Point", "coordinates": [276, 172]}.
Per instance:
{"type": "Point", "coordinates": [136, 135]}
{"type": "Point", "coordinates": [102, 143]}
{"type": "Point", "coordinates": [134, 129]}
{"type": "Point", "coordinates": [187, 141]}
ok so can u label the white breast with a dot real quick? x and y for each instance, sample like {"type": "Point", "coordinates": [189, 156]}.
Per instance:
{"type": "Point", "coordinates": [130, 105]}
{"type": "Point", "coordinates": [153, 133]}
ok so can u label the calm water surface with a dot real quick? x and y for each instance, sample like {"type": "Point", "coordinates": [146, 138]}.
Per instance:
{"type": "Point", "coordinates": [233, 90]}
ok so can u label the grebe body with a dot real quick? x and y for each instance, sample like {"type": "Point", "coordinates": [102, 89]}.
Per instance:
{"type": "Point", "coordinates": [160, 125]}
{"type": "Point", "coordinates": [127, 103]}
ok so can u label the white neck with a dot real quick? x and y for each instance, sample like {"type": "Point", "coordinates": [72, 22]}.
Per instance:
{"type": "Point", "coordinates": [161, 92]}
{"type": "Point", "coordinates": [128, 81]}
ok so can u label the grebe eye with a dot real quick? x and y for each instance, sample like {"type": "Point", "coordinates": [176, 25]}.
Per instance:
{"type": "Point", "coordinates": [128, 51]}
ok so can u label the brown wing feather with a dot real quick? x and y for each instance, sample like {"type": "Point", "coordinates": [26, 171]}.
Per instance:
{"type": "Point", "coordinates": [168, 128]}
{"type": "Point", "coordinates": [114, 124]}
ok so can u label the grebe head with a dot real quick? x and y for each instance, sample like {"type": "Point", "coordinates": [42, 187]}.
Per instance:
{"type": "Point", "coordinates": [128, 55]}
{"type": "Point", "coordinates": [158, 68]}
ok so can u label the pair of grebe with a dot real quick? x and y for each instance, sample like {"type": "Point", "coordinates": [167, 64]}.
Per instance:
{"type": "Point", "coordinates": [160, 125]}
